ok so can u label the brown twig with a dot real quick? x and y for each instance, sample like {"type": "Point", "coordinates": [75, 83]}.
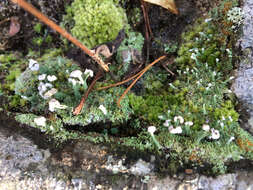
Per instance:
{"type": "Point", "coordinates": [79, 108]}
{"type": "Point", "coordinates": [146, 18]}
{"type": "Point", "coordinates": [28, 7]}
{"type": "Point", "coordinates": [148, 31]}
{"type": "Point", "coordinates": [120, 83]}
{"type": "Point", "coordinates": [141, 73]}
{"type": "Point", "coordinates": [169, 71]}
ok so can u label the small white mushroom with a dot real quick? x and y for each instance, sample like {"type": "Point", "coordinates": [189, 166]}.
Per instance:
{"type": "Point", "coordinates": [103, 109]}
{"type": "Point", "coordinates": [177, 130]}
{"type": "Point", "coordinates": [215, 134]}
{"type": "Point", "coordinates": [151, 130]}
{"type": "Point", "coordinates": [40, 121]}
{"type": "Point", "coordinates": [77, 74]}
{"type": "Point", "coordinates": [55, 104]}
{"type": "Point", "coordinates": [51, 78]}
{"type": "Point", "coordinates": [42, 77]}
{"type": "Point", "coordinates": [179, 118]}
{"type": "Point", "coordinates": [206, 127]}
{"type": "Point", "coordinates": [33, 65]}
{"type": "Point", "coordinates": [89, 72]}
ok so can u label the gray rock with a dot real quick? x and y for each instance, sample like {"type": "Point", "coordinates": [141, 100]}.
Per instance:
{"type": "Point", "coordinates": [203, 183]}
{"type": "Point", "coordinates": [25, 166]}
{"type": "Point", "coordinates": [167, 183]}
{"type": "Point", "coordinates": [247, 38]}
{"type": "Point", "coordinates": [223, 182]}
{"type": "Point", "coordinates": [141, 168]}
{"type": "Point", "coordinates": [243, 84]}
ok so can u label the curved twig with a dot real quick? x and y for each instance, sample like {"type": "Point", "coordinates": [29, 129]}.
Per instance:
{"type": "Point", "coordinates": [142, 72]}
{"type": "Point", "coordinates": [79, 108]}
{"type": "Point", "coordinates": [28, 7]}
{"type": "Point", "coordinates": [120, 83]}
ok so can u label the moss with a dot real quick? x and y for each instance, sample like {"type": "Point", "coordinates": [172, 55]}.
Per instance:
{"type": "Point", "coordinates": [11, 68]}
{"type": "Point", "coordinates": [135, 16]}
{"type": "Point", "coordinates": [6, 58]}
{"type": "Point", "coordinates": [28, 90]}
{"type": "Point", "coordinates": [37, 41]}
{"type": "Point", "coordinates": [27, 84]}
{"type": "Point", "coordinates": [37, 28]}
{"type": "Point", "coordinates": [200, 94]}
{"type": "Point", "coordinates": [95, 22]}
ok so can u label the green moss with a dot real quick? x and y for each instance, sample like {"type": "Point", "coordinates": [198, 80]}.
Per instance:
{"type": "Point", "coordinates": [37, 28]}
{"type": "Point", "coordinates": [94, 22]}
{"type": "Point", "coordinates": [28, 90]}
{"type": "Point", "coordinates": [37, 41]}
{"type": "Point", "coordinates": [6, 58]}
{"type": "Point", "coordinates": [200, 95]}
{"type": "Point", "coordinates": [135, 16]}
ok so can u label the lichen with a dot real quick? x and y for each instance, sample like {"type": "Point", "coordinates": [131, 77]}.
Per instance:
{"type": "Point", "coordinates": [53, 84]}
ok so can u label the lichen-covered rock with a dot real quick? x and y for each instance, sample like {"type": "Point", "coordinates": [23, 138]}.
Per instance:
{"type": "Point", "coordinates": [243, 82]}
{"type": "Point", "coordinates": [247, 37]}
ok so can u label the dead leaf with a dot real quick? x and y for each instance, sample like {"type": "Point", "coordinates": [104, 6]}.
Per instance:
{"type": "Point", "coordinates": [167, 4]}
{"type": "Point", "coordinates": [104, 50]}
{"type": "Point", "coordinates": [14, 26]}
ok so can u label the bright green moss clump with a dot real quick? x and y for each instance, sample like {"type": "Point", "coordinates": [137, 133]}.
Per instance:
{"type": "Point", "coordinates": [95, 21]}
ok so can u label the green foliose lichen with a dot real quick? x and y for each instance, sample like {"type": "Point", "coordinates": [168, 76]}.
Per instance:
{"type": "Point", "coordinates": [30, 83]}
{"type": "Point", "coordinates": [94, 22]}
{"type": "Point", "coordinates": [56, 79]}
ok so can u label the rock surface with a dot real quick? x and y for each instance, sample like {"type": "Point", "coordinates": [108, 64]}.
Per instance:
{"type": "Point", "coordinates": [82, 165]}
{"type": "Point", "coordinates": [243, 84]}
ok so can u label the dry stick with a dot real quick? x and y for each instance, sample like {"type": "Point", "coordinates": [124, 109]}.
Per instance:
{"type": "Point", "coordinates": [79, 108]}
{"type": "Point", "coordinates": [142, 72]}
{"type": "Point", "coordinates": [28, 7]}
{"type": "Point", "coordinates": [120, 83]}
{"type": "Point", "coordinates": [147, 17]}
{"type": "Point", "coordinates": [148, 31]}
{"type": "Point", "coordinates": [169, 71]}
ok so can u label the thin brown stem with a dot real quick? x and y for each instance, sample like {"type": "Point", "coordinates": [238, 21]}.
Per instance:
{"type": "Point", "coordinates": [146, 17]}
{"type": "Point", "coordinates": [169, 71]}
{"type": "Point", "coordinates": [120, 83]}
{"type": "Point", "coordinates": [79, 108]}
{"type": "Point", "coordinates": [28, 7]}
{"type": "Point", "coordinates": [148, 31]}
{"type": "Point", "coordinates": [142, 72]}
